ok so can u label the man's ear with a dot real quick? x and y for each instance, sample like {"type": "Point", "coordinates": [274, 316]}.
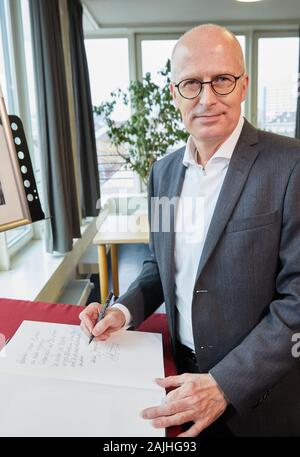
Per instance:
{"type": "Point", "coordinates": [245, 87]}
{"type": "Point", "coordinates": [174, 94]}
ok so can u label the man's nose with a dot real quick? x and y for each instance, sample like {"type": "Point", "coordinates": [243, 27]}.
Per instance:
{"type": "Point", "coordinates": [207, 95]}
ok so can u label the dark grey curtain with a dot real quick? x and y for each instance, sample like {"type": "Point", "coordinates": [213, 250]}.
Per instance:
{"type": "Point", "coordinates": [90, 188]}
{"type": "Point", "coordinates": [297, 134]}
{"type": "Point", "coordinates": [54, 127]}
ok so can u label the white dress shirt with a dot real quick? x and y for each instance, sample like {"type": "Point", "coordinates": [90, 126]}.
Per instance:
{"type": "Point", "coordinates": [200, 192]}
{"type": "Point", "coordinates": [202, 186]}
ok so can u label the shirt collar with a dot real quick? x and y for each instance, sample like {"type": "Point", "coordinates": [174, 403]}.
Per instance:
{"type": "Point", "coordinates": [225, 151]}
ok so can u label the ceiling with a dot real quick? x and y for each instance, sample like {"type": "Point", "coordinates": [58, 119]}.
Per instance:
{"type": "Point", "coordinates": [105, 14]}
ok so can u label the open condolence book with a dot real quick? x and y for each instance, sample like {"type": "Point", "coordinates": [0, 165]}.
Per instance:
{"type": "Point", "coordinates": [53, 383]}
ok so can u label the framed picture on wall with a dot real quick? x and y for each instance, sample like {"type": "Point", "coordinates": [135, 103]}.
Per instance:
{"type": "Point", "coordinates": [19, 202]}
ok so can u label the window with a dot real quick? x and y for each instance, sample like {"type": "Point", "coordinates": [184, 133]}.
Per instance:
{"type": "Point", "coordinates": [6, 70]}
{"type": "Point", "coordinates": [16, 238]}
{"type": "Point", "coordinates": [155, 54]}
{"type": "Point", "coordinates": [17, 80]}
{"type": "Point", "coordinates": [3, 52]}
{"type": "Point", "coordinates": [109, 70]}
{"type": "Point", "coordinates": [277, 84]}
{"type": "Point", "coordinates": [242, 41]}
{"type": "Point", "coordinates": [33, 138]}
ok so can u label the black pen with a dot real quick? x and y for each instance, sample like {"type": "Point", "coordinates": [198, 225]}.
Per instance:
{"type": "Point", "coordinates": [102, 312]}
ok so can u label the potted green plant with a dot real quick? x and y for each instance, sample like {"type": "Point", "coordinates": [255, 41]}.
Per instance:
{"type": "Point", "coordinates": [153, 127]}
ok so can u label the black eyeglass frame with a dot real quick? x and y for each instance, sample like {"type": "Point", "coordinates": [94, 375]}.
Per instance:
{"type": "Point", "coordinates": [236, 78]}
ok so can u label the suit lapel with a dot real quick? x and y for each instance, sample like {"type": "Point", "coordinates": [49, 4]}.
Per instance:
{"type": "Point", "coordinates": [240, 165]}
{"type": "Point", "coordinates": [173, 189]}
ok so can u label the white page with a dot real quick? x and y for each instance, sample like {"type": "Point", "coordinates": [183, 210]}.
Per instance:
{"type": "Point", "coordinates": [62, 351]}
{"type": "Point", "coordinates": [34, 406]}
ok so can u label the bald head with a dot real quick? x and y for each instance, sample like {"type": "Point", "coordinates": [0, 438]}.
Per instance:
{"type": "Point", "coordinates": [212, 55]}
{"type": "Point", "coordinates": [207, 37]}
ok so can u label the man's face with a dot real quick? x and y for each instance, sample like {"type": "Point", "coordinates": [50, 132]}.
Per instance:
{"type": "Point", "coordinates": [209, 118]}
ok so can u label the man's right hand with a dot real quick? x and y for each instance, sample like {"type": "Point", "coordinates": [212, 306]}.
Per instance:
{"type": "Point", "coordinates": [114, 320]}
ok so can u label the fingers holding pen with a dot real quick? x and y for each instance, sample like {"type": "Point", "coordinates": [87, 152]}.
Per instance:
{"type": "Point", "coordinates": [89, 329]}
{"type": "Point", "coordinates": [101, 328]}
{"type": "Point", "coordinates": [89, 317]}
{"type": "Point", "coordinates": [113, 321]}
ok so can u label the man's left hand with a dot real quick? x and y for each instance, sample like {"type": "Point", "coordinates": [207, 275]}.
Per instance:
{"type": "Point", "coordinates": [197, 398]}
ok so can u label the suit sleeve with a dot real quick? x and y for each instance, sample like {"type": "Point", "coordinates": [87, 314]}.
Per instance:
{"type": "Point", "coordinates": [253, 367]}
{"type": "Point", "coordinates": [145, 294]}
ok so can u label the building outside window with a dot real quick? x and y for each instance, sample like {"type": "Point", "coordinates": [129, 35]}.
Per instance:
{"type": "Point", "coordinates": [108, 64]}
{"type": "Point", "coordinates": [277, 84]}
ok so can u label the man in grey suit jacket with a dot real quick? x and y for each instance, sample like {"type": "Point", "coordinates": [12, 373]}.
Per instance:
{"type": "Point", "coordinates": [233, 297]}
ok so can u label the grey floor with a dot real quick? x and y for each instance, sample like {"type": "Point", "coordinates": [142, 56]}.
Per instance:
{"type": "Point", "coordinates": [130, 261]}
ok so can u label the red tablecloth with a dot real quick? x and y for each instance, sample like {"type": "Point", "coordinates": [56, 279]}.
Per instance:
{"type": "Point", "coordinates": [13, 312]}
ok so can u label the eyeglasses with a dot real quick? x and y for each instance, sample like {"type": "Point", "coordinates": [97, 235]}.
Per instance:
{"type": "Point", "coordinates": [221, 85]}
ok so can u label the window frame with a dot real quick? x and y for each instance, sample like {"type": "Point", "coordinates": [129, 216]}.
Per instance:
{"type": "Point", "coordinates": [250, 29]}
{"type": "Point", "coordinates": [139, 37]}
{"type": "Point", "coordinates": [18, 102]}
{"type": "Point", "coordinates": [21, 241]}
{"type": "Point", "coordinates": [103, 189]}
{"type": "Point", "coordinates": [284, 33]}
